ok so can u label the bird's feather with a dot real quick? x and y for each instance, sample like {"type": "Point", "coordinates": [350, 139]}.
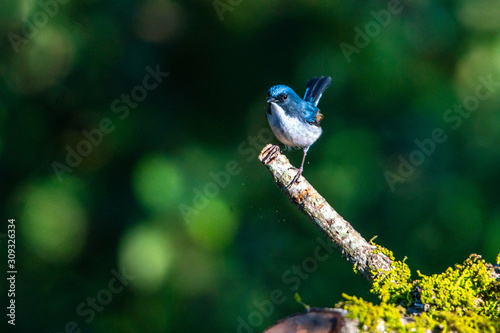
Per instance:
{"type": "Point", "coordinates": [315, 88]}
{"type": "Point", "coordinates": [311, 114]}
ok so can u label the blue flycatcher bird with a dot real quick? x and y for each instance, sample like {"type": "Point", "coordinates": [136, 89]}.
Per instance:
{"type": "Point", "coordinates": [295, 121]}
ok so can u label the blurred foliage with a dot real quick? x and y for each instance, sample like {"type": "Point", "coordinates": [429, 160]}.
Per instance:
{"type": "Point", "coordinates": [167, 186]}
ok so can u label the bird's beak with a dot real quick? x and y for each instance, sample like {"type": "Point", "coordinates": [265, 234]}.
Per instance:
{"type": "Point", "coordinates": [271, 100]}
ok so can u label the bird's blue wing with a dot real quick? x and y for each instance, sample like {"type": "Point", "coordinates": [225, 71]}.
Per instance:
{"type": "Point", "coordinates": [311, 114]}
{"type": "Point", "coordinates": [315, 88]}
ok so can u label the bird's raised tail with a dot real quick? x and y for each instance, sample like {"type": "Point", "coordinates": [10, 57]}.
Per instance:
{"type": "Point", "coordinates": [315, 88]}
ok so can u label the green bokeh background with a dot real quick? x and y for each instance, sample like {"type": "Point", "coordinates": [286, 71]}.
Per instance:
{"type": "Point", "coordinates": [211, 268]}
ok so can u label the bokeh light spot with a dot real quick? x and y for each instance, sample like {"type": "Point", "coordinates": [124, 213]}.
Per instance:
{"type": "Point", "coordinates": [214, 227]}
{"type": "Point", "coordinates": [54, 220]}
{"type": "Point", "coordinates": [157, 183]}
{"type": "Point", "coordinates": [480, 61]}
{"type": "Point", "coordinates": [44, 61]}
{"type": "Point", "coordinates": [147, 253]}
{"type": "Point", "coordinates": [479, 15]}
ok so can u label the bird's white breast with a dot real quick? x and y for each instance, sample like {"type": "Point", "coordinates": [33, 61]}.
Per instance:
{"type": "Point", "coordinates": [290, 130]}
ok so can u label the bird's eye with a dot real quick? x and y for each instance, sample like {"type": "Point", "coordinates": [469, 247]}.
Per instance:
{"type": "Point", "coordinates": [285, 96]}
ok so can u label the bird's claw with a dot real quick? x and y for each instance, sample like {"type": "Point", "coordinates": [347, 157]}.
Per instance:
{"type": "Point", "coordinates": [271, 154]}
{"type": "Point", "coordinates": [296, 178]}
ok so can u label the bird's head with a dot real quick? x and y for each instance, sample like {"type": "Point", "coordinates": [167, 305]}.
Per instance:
{"type": "Point", "coordinates": [282, 95]}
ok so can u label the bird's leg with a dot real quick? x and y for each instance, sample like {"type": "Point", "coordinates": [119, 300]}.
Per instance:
{"type": "Point", "coordinates": [299, 172]}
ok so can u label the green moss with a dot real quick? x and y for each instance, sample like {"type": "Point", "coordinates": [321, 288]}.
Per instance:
{"type": "Point", "coordinates": [471, 323]}
{"type": "Point", "coordinates": [381, 249]}
{"type": "Point", "coordinates": [464, 298]}
{"type": "Point", "coordinates": [394, 286]}
{"type": "Point", "coordinates": [371, 316]}
{"type": "Point", "coordinates": [468, 288]}
{"type": "Point", "coordinates": [384, 317]}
